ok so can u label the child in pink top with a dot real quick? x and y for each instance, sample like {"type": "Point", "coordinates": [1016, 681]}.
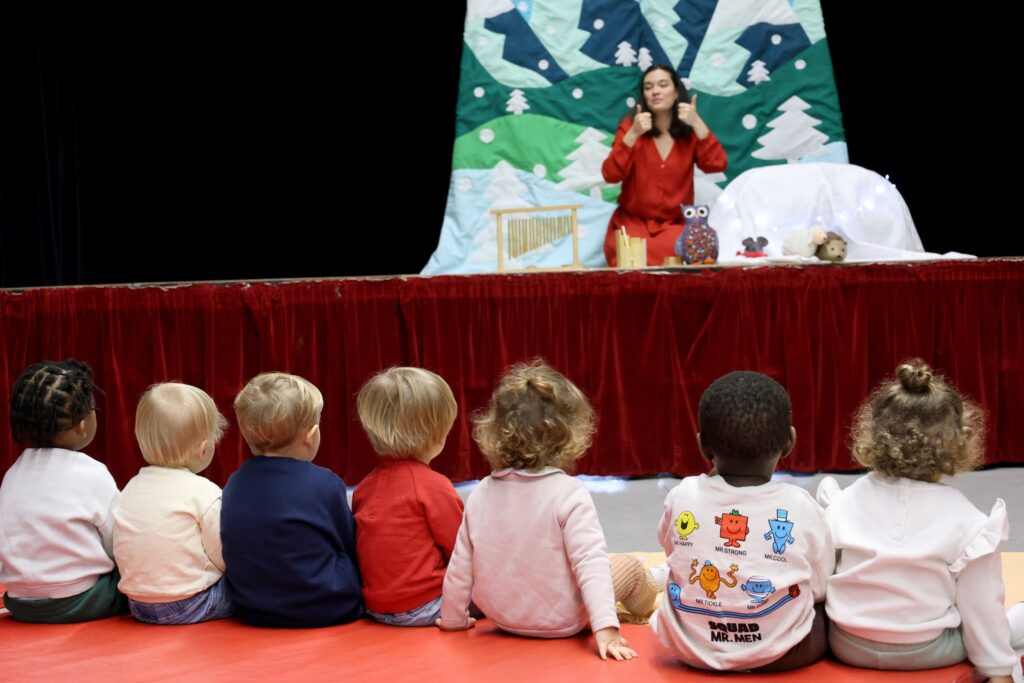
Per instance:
{"type": "Point", "coordinates": [530, 552]}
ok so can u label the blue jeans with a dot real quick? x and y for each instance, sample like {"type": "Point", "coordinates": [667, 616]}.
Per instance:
{"type": "Point", "coordinates": [212, 603]}
{"type": "Point", "coordinates": [424, 615]}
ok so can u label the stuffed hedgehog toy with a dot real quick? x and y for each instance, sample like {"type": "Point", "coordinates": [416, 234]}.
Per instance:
{"type": "Point", "coordinates": [834, 248]}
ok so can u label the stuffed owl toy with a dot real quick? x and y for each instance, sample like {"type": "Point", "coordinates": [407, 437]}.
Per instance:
{"type": "Point", "coordinates": [698, 243]}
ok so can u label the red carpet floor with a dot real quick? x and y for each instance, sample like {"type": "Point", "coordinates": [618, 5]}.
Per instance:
{"type": "Point", "coordinates": [121, 649]}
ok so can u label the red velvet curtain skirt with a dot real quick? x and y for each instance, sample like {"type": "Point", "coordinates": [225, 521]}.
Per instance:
{"type": "Point", "coordinates": [642, 345]}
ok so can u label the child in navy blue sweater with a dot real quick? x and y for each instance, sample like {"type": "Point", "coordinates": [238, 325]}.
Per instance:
{"type": "Point", "coordinates": [286, 527]}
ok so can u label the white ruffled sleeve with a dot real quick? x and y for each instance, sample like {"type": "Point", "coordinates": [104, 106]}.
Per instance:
{"type": "Point", "coordinates": [979, 597]}
{"type": "Point", "coordinates": [827, 490]}
{"type": "Point", "coordinates": [993, 532]}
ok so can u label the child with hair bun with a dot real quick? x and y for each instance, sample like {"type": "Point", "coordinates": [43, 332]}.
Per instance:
{"type": "Point", "coordinates": [918, 581]}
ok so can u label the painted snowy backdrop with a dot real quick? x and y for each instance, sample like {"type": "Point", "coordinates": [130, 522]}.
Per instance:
{"type": "Point", "coordinates": [544, 84]}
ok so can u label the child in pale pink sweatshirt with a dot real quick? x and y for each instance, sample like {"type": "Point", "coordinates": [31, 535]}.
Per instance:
{"type": "Point", "coordinates": [530, 552]}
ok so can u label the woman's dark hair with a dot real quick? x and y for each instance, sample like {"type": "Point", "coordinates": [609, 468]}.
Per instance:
{"type": "Point", "coordinates": [677, 129]}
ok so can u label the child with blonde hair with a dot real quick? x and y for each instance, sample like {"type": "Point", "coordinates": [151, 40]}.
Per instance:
{"type": "Point", "coordinates": [56, 529]}
{"type": "Point", "coordinates": [288, 533]}
{"type": "Point", "coordinates": [407, 514]}
{"type": "Point", "coordinates": [531, 553]}
{"type": "Point", "coordinates": [167, 522]}
{"type": "Point", "coordinates": [918, 583]}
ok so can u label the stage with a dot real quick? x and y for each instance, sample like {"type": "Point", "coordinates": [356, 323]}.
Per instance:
{"type": "Point", "coordinates": [643, 345]}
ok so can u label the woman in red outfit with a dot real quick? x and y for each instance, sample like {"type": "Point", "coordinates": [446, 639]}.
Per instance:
{"type": "Point", "coordinates": [653, 156]}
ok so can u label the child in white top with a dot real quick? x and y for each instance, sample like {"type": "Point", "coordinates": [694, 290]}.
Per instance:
{"type": "Point", "coordinates": [918, 582]}
{"type": "Point", "coordinates": [167, 523]}
{"type": "Point", "coordinates": [531, 553]}
{"type": "Point", "coordinates": [749, 556]}
{"type": "Point", "coordinates": [55, 523]}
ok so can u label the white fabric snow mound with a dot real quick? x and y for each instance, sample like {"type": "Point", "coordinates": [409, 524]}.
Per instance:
{"type": "Point", "coordinates": [862, 206]}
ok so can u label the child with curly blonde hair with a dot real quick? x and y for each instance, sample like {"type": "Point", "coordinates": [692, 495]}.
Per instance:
{"type": "Point", "coordinates": [531, 553]}
{"type": "Point", "coordinates": [918, 581]}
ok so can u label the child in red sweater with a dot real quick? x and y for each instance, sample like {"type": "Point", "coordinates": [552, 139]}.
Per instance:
{"type": "Point", "coordinates": [407, 515]}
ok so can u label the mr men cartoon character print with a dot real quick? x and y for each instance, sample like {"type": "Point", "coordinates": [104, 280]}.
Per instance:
{"type": "Point", "coordinates": [675, 594]}
{"type": "Point", "coordinates": [759, 588]}
{"type": "Point", "coordinates": [781, 529]}
{"type": "Point", "coordinates": [686, 524]}
{"type": "Point", "coordinates": [710, 578]}
{"type": "Point", "coordinates": [763, 599]}
{"type": "Point", "coordinates": [734, 528]}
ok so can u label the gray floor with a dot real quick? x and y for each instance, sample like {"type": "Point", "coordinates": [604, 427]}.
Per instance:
{"type": "Point", "coordinates": [631, 508]}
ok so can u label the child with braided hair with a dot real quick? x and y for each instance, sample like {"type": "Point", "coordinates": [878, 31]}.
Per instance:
{"type": "Point", "coordinates": [56, 529]}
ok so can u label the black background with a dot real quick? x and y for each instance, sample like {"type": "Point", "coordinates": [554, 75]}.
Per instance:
{"type": "Point", "coordinates": [242, 146]}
